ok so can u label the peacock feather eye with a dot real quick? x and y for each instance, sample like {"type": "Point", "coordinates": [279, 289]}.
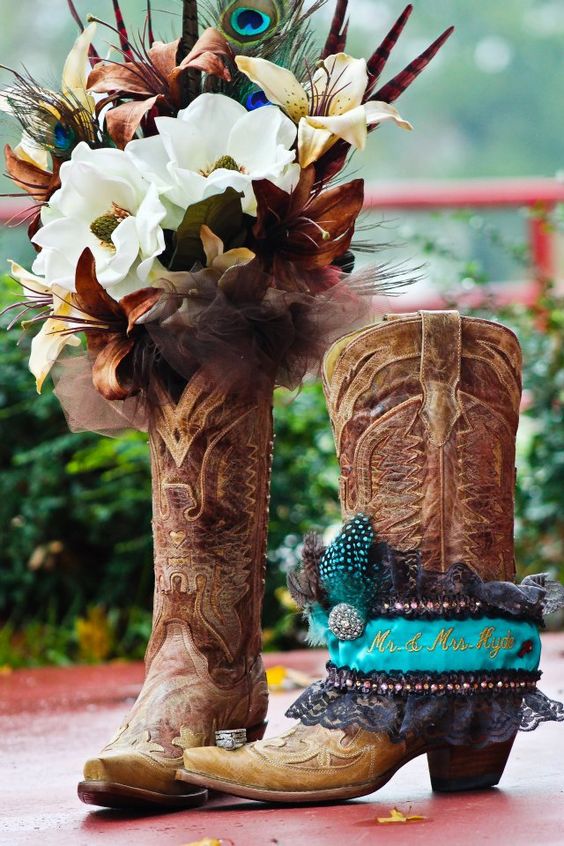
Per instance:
{"type": "Point", "coordinates": [63, 137]}
{"type": "Point", "coordinates": [257, 100]}
{"type": "Point", "coordinates": [249, 21]}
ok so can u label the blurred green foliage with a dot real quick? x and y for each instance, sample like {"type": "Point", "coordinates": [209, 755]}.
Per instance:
{"type": "Point", "coordinates": [75, 544]}
{"type": "Point", "coordinates": [75, 557]}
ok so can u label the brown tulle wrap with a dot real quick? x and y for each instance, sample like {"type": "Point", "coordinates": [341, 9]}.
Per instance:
{"type": "Point", "coordinates": [239, 339]}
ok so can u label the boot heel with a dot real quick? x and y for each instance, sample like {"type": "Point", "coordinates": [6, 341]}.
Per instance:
{"type": "Point", "coordinates": [454, 768]}
{"type": "Point", "coordinates": [256, 732]}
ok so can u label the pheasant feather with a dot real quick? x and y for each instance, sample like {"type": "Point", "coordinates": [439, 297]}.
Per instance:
{"type": "Point", "coordinates": [337, 38]}
{"type": "Point", "coordinates": [122, 30]}
{"type": "Point", "coordinates": [190, 82]}
{"type": "Point", "coordinates": [396, 86]}
{"type": "Point", "coordinates": [379, 58]}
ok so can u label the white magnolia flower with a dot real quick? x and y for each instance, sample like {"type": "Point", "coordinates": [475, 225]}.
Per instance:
{"type": "Point", "coordinates": [331, 107]}
{"type": "Point", "coordinates": [213, 145]}
{"type": "Point", "coordinates": [53, 336]}
{"type": "Point", "coordinates": [105, 204]}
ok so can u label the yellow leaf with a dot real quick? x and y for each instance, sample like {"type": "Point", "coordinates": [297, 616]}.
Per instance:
{"type": "Point", "coordinates": [94, 635]}
{"type": "Point", "coordinates": [286, 599]}
{"type": "Point", "coordinates": [5, 670]}
{"type": "Point", "coordinates": [276, 677]}
{"type": "Point", "coordinates": [207, 841]}
{"type": "Point", "coordinates": [397, 816]}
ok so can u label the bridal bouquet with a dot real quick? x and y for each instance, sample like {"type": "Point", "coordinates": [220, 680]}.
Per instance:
{"type": "Point", "coordinates": [187, 201]}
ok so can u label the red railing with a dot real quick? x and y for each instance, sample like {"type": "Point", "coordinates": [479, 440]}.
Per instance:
{"type": "Point", "coordinates": [539, 196]}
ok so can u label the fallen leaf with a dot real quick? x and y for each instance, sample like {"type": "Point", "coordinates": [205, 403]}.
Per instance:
{"type": "Point", "coordinates": [397, 816]}
{"type": "Point", "coordinates": [207, 841]}
{"type": "Point", "coordinates": [299, 679]}
{"type": "Point", "coordinates": [276, 677]}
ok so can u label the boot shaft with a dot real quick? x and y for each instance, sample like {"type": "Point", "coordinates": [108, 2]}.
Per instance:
{"type": "Point", "coordinates": [211, 457]}
{"type": "Point", "coordinates": [425, 409]}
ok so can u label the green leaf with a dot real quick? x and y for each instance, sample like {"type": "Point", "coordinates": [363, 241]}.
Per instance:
{"type": "Point", "coordinates": [223, 213]}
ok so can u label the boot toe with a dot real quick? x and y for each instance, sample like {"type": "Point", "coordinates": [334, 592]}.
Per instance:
{"type": "Point", "coordinates": [132, 769]}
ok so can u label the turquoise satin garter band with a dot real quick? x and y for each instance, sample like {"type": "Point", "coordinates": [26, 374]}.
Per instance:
{"type": "Point", "coordinates": [437, 646]}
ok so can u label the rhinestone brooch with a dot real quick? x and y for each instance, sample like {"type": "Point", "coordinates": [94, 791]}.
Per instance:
{"type": "Point", "coordinates": [346, 622]}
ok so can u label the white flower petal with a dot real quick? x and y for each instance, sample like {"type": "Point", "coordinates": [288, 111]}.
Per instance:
{"type": "Point", "coordinates": [184, 145]}
{"type": "Point", "coordinates": [377, 112]}
{"type": "Point", "coordinates": [150, 158]}
{"type": "Point", "coordinates": [32, 285]}
{"type": "Point", "coordinates": [261, 138]}
{"type": "Point", "coordinates": [279, 84]}
{"type": "Point", "coordinates": [62, 243]}
{"type": "Point", "coordinates": [343, 80]}
{"type": "Point", "coordinates": [116, 265]}
{"type": "Point", "coordinates": [210, 117]}
{"type": "Point", "coordinates": [351, 126]}
{"type": "Point", "coordinates": [221, 179]}
{"type": "Point", "coordinates": [312, 142]}
{"type": "Point", "coordinates": [75, 71]}
{"type": "Point", "coordinates": [189, 187]}
{"type": "Point", "coordinates": [148, 220]}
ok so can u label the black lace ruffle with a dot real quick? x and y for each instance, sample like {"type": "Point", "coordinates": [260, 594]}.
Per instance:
{"type": "Point", "coordinates": [462, 720]}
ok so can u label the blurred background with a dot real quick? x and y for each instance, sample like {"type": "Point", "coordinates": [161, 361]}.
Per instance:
{"type": "Point", "coordinates": [473, 200]}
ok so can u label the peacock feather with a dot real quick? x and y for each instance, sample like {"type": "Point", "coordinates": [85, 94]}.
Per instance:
{"type": "Point", "coordinates": [248, 22]}
{"type": "Point", "coordinates": [55, 121]}
{"type": "Point", "coordinates": [277, 30]}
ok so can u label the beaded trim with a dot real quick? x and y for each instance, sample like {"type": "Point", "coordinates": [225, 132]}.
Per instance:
{"type": "Point", "coordinates": [406, 684]}
{"type": "Point", "coordinates": [460, 607]}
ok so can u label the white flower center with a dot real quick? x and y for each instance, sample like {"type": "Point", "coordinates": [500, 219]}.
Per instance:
{"type": "Point", "coordinates": [226, 162]}
{"type": "Point", "coordinates": [105, 225]}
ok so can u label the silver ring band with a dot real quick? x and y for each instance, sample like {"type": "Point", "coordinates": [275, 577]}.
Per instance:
{"type": "Point", "coordinates": [231, 738]}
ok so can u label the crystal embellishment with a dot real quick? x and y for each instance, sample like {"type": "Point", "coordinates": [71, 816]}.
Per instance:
{"type": "Point", "coordinates": [345, 622]}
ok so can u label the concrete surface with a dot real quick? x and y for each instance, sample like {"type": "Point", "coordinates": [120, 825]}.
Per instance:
{"type": "Point", "coordinates": [52, 719]}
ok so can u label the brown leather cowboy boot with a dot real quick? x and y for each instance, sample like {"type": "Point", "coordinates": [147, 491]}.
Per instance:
{"type": "Point", "coordinates": [433, 648]}
{"type": "Point", "coordinates": [211, 456]}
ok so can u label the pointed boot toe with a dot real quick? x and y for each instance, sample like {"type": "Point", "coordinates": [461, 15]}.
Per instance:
{"type": "Point", "coordinates": [305, 764]}
{"type": "Point", "coordinates": [134, 780]}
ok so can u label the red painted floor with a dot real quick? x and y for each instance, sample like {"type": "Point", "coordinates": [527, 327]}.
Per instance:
{"type": "Point", "coordinates": [52, 719]}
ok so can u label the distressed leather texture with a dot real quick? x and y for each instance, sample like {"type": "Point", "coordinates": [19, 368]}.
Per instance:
{"type": "Point", "coordinates": [301, 759]}
{"type": "Point", "coordinates": [425, 409]}
{"type": "Point", "coordinates": [211, 457]}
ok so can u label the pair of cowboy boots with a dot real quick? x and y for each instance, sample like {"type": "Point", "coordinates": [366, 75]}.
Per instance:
{"type": "Point", "coordinates": [433, 648]}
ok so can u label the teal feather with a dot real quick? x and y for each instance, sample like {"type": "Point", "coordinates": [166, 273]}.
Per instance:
{"type": "Point", "coordinates": [317, 625]}
{"type": "Point", "coordinates": [346, 571]}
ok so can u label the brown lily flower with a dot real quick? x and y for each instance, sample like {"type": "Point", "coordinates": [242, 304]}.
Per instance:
{"type": "Point", "coordinates": [114, 340]}
{"type": "Point", "coordinates": [152, 80]}
{"type": "Point", "coordinates": [308, 229]}
{"type": "Point", "coordinates": [39, 184]}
